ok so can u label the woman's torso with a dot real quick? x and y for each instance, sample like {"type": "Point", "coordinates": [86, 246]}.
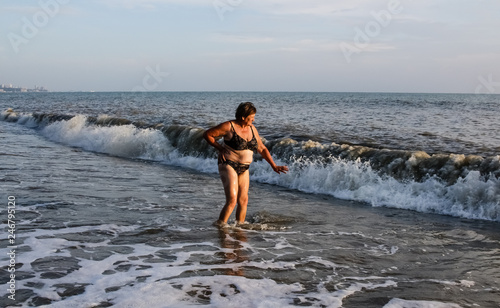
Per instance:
{"type": "Point", "coordinates": [241, 144]}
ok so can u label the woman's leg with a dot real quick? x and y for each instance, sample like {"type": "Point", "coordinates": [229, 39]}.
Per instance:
{"type": "Point", "coordinates": [229, 180]}
{"type": "Point", "coordinates": [243, 185]}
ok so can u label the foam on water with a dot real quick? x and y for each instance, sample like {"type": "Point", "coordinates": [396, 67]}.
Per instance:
{"type": "Point", "coordinates": [125, 141]}
{"type": "Point", "coordinates": [470, 197]}
{"type": "Point", "coordinates": [172, 275]}
{"type": "Point", "coordinates": [401, 303]}
{"type": "Point", "coordinates": [164, 283]}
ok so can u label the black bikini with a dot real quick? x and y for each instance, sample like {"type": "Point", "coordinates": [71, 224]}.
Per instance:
{"type": "Point", "coordinates": [238, 167]}
{"type": "Point", "coordinates": [237, 143]}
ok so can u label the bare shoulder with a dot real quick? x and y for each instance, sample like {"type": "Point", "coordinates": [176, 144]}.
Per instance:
{"type": "Point", "coordinates": [225, 126]}
{"type": "Point", "coordinates": [255, 129]}
{"type": "Point", "coordinates": [259, 140]}
{"type": "Point", "coordinates": [222, 126]}
{"type": "Point", "coordinates": [220, 130]}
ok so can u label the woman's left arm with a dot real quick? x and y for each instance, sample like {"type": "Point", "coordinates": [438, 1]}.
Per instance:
{"type": "Point", "coordinates": [264, 152]}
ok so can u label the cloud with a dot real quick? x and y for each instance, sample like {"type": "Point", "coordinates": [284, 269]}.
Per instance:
{"type": "Point", "coordinates": [241, 39]}
{"type": "Point", "coordinates": [30, 9]}
{"type": "Point", "coordinates": [331, 46]}
{"type": "Point", "coordinates": [152, 4]}
{"type": "Point", "coordinates": [23, 10]}
{"type": "Point", "coordinates": [311, 8]}
{"type": "Point", "coordinates": [267, 7]}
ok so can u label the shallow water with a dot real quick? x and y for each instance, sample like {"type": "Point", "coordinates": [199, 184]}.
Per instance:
{"type": "Point", "coordinates": [95, 230]}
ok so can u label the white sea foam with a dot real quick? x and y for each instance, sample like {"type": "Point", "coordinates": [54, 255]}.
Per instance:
{"type": "Point", "coordinates": [162, 282]}
{"type": "Point", "coordinates": [124, 141]}
{"type": "Point", "coordinates": [470, 197]}
{"type": "Point", "coordinates": [401, 303]}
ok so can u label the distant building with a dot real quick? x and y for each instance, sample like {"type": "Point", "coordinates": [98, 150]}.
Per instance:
{"type": "Point", "coordinates": [9, 88]}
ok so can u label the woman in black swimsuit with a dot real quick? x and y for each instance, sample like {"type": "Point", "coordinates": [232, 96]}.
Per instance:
{"type": "Point", "coordinates": [241, 140]}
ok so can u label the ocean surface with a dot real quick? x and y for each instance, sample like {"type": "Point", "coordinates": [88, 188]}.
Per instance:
{"type": "Point", "coordinates": [392, 200]}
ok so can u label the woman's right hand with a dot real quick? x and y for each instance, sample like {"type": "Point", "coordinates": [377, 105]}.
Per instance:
{"type": "Point", "coordinates": [221, 158]}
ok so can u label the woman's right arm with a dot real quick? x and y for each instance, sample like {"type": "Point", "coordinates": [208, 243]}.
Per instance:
{"type": "Point", "coordinates": [211, 135]}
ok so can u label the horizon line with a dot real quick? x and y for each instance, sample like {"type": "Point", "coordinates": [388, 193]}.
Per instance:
{"type": "Point", "coordinates": [246, 91]}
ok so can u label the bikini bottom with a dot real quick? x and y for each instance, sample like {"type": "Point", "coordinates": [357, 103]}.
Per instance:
{"type": "Point", "coordinates": [238, 167]}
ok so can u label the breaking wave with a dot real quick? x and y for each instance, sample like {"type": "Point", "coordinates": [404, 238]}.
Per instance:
{"type": "Point", "coordinates": [452, 184]}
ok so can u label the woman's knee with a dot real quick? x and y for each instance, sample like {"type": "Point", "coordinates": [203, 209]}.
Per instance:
{"type": "Point", "coordinates": [243, 200]}
{"type": "Point", "coordinates": [231, 201]}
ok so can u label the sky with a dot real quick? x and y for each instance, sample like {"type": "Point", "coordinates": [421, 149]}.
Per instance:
{"type": "Point", "coordinates": [425, 46]}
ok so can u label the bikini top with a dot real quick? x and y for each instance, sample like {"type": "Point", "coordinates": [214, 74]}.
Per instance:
{"type": "Point", "coordinates": [238, 143]}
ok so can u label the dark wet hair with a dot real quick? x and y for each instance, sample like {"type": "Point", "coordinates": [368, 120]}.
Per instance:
{"type": "Point", "coordinates": [244, 110]}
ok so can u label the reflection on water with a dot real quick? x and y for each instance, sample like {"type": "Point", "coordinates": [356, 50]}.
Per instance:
{"type": "Point", "coordinates": [233, 241]}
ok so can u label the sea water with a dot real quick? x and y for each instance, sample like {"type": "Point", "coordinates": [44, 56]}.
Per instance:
{"type": "Point", "coordinates": [392, 200]}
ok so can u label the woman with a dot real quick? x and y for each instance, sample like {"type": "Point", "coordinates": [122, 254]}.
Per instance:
{"type": "Point", "coordinates": [241, 139]}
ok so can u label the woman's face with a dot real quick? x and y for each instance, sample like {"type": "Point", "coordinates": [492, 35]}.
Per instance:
{"type": "Point", "coordinates": [248, 120]}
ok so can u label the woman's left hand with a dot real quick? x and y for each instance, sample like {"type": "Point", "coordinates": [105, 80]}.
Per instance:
{"type": "Point", "coordinates": [280, 169]}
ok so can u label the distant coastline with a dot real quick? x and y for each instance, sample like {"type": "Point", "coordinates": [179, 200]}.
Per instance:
{"type": "Point", "coordinates": [9, 88]}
